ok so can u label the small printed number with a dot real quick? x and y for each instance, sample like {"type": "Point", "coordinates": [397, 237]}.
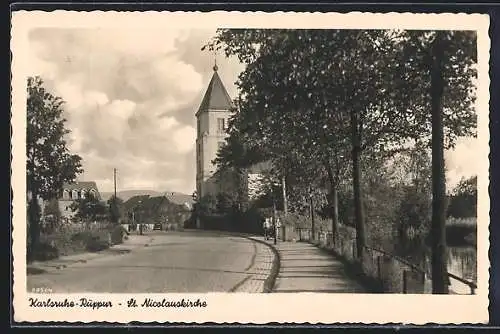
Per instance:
{"type": "Point", "coordinates": [41, 290]}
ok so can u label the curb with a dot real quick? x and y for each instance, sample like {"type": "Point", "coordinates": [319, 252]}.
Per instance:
{"type": "Point", "coordinates": [270, 281]}
{"type": "Point", "coordinates": [95, 255]}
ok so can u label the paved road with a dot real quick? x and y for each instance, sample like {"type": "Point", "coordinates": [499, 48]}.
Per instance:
{"type": "Point", "coordinates": [173, 262]}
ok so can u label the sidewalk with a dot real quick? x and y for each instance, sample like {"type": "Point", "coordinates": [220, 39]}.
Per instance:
{"type": "Point", "coordinates": [306, 268]}
{"type": "Point", "coordinates": [259, 271]}
{"type": "Point", "coordinates": [133, 242]}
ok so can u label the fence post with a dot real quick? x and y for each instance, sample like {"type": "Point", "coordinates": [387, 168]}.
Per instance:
{"type": "Point", "coordinates": [379, 268]}
{"type": "Point", "coordinates": [405, 281]}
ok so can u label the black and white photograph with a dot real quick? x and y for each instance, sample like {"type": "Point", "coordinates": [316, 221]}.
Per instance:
{"type": "Point", "coordinates": [211, 158]}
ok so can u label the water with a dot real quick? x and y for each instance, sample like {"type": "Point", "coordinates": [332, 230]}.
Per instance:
{"type": "Point", "coordinates": [462, 262]}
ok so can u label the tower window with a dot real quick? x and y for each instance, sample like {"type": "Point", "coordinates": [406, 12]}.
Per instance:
{"type": "Point", "coordinates": [221, 125]}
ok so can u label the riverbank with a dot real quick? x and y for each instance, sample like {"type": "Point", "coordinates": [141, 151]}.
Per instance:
{"type": "Point", "coordinates": [461, 232]}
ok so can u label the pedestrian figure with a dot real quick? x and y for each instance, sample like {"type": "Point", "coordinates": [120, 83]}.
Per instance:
{"type": "Point", "coordinates": [267, 228]}
{"type": "Point", "coordinates": [278, 226]}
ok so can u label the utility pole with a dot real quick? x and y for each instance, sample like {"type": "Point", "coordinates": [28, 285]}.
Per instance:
{"type": "Point", "coordinates": [114, 180]}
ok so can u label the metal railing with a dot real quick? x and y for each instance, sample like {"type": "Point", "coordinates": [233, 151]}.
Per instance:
{"type": "Point", "coordinates": [393, 273]}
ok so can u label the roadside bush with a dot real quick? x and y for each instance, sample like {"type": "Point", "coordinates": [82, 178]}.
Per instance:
{"type": "Point", "coordinates": [251, 221]}
{"type": "Point", "coordinates": [72, 239]}
{"type": "Point", "coordinates": [45, 251]}
{"type": "Point", "coordinates": [117, 234]}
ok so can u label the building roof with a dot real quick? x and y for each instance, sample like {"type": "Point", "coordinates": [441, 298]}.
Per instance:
{"type": "Point", "coordinates": [216, 97]}
{"type": "Point", "coordinates": [79, 185]}
{"type": "Point", "coordinates": [152, 204]}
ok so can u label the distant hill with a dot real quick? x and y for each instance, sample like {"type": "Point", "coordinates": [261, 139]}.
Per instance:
{"type": "Point", "coordinates": [174, 197]}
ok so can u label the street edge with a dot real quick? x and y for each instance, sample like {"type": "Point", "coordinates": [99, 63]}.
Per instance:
{"type": "Point", "coordinates": [270, 281]}
{"type": "Point", "coordinates": [95, 255]}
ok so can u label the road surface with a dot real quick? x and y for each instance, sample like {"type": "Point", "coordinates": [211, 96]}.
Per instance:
{"type": "Point", "coordinates": [194, 261]}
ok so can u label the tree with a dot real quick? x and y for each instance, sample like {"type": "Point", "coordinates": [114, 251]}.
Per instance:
{"type": "Point", "coordinates": [327, 88]}
{"type": "Point", "coordinates": [49, 163]}
{"type": "Point", "coordinates": [365, 91]}
{"type": "Point", "coordinates": [439, 68]}
{"type": "Point", "coordinates": [89, 209]}
{"type": "Point", "coordinates": [225, 203]}
{"type": "Point", "coordinates": [463, 200]}
{"type": "Point", "coordinates": [206, 205]}
{"type": "Point", "coordinates": [51, 215]}
{"type": "Point", "coordinates": [116, 209]}
{"type": "Point", "coordinates": [272, 98]}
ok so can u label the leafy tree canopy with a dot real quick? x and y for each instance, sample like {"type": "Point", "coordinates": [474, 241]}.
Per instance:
{"type": "Point", "coordinates": [49, 162]}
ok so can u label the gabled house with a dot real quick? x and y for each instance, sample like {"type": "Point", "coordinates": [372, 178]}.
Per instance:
{"type": "Point", "coordinates": [152, 210]}
{"type": "Point", "coordinates": [74, 191]}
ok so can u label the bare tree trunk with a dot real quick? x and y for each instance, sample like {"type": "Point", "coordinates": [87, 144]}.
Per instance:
{"type": "Point", "coordinates": [313, 223]}
{"type": "Point", "coordinates": [335, 215]}
{"type": "Point", "coordinates": [34, 224]}
{"type": "Point", "coordinates": [285, 202]}
{"type": "Point", "coordinates": [438, 232]}
{"type": "Point", "coordinates": [356, 176]}
{"type": "Point", "coordinates": [333, 202]}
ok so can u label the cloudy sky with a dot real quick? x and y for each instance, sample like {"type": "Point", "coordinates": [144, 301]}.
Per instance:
{"type": "Point", "coordinates": [131, 98]}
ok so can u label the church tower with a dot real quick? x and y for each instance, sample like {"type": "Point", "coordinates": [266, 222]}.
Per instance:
{"type": "Point", "coordinates": [212, 119]}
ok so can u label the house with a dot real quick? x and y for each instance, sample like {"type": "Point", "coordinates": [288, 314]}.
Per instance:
{"type": "Point", "coordinates": [151, 210]}
{"type": "Point", "coordinates": [74, 191]}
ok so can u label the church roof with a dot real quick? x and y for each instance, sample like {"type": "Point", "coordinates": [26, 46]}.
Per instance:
{"type": "Point", "coordinates": [216, 97]}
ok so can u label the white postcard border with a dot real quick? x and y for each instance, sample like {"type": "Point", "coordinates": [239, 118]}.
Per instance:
{"type": "Point", "coordinates": [251, 308]}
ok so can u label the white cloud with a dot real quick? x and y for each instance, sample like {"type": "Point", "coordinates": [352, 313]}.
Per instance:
{"type": "Point", "coordinates": [121, 109]}
{"type": "Point", "coordinates": [184, 139]}
{"type": "Point", "coordinates": [70, 93]}
{"type": "Point", "coordinates": [175, 74]}
{"type": "Point", "coordinates": [38, 66]}
{"type": "Point", "coordinates": [75, 140]}
{"type": "Point", "coordinates": [167, 123]}
{"type": "Point", "coordinates": [95, 98]}
{"type": "Point", "coordinates": [466, 160]}
{"type": "Point", "coordinates": [135, 41]}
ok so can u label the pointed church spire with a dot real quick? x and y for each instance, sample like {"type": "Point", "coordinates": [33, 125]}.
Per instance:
{"type": "Point", "coordinates": [216, 96]}
{"type": "Point", "coordinates": [215, 62]}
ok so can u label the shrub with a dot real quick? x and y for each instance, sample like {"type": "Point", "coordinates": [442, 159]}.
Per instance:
{"type": "Point", "coordinates": [92, 241]}
{"type": "Point", "coordinates": [117, 234]}
{"type": "Point", "coordinates": [96, 244]}
{"type": "Point", "coordinates": [45, 251]}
